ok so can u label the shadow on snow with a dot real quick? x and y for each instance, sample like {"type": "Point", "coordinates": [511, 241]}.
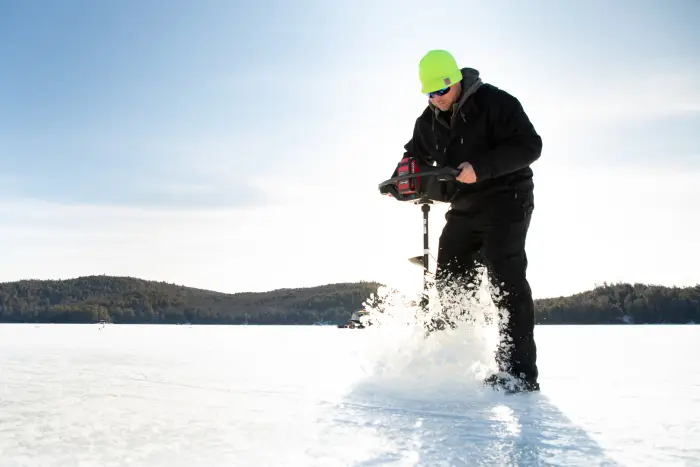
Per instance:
{"type": "Point", "coordinates": [479, 428]}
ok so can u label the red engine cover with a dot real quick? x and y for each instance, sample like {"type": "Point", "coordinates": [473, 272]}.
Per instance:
{"type": "Point", "coordinates": [411, 186]}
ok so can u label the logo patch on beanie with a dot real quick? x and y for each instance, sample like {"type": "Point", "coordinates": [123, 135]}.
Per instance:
{"type": "Point", "coordinates": [447, 81]}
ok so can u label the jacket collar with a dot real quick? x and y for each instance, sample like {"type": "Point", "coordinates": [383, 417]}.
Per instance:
{"type": "Point", "coordinates": [471, 82]}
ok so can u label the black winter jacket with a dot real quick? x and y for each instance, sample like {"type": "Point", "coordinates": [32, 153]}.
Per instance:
{"type": "Point", "coordinates": [488, 128]}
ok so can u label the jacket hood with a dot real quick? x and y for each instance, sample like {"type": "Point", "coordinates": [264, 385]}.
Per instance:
{"type": "Point", "coordinates": [471, 82]}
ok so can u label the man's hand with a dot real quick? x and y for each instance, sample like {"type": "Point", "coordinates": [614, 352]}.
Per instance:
{"type": "Point", "coordinates": [467, 174]}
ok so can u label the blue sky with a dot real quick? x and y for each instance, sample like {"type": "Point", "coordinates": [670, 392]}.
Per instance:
{"type": "Point", "coordinates": [181, 141]}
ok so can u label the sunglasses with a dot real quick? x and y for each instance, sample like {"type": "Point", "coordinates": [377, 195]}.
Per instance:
{"type": "Point", "coordinates": [439, 92]}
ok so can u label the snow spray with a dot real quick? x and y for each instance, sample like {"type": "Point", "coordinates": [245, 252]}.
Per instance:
{"type": "Point", "coordinates": [404, 359]}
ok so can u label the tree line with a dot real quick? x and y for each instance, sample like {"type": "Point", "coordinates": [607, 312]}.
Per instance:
{"type": "Point", "coordinates": [130, 300]}
{"type": "Point", "coordinates": [612, 303]}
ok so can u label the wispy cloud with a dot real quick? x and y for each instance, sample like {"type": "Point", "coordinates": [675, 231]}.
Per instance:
{"type": "Point", "coordinates": [228, 250]}
{"type": "Point", "coordinates": [589, 226]}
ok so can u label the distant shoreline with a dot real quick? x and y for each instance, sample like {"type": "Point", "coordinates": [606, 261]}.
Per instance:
{"type": "Point", "coordinates": [128, 300]}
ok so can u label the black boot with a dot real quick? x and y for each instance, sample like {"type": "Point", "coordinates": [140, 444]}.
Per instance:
{"type": "Point", "coordinates": [509, 384]}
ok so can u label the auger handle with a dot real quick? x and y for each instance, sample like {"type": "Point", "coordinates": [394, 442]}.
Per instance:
{"type": "Point", "coordinates": [443, 174]}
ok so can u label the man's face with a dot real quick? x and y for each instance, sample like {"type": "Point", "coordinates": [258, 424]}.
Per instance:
{"type": "Point", "coordinates": [444, 102]}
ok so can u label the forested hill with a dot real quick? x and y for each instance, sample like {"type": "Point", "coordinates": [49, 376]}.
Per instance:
{"type": "Point", "coordinates": [621, 302]}
{"type": "Point", "coordinates": [131, 300]}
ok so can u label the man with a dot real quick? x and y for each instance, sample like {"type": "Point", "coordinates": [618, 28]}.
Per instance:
{"type": "Point", "coordinates": [484, 132]}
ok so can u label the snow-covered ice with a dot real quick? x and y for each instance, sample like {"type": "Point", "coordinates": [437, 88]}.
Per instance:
{"type": "Point", "coordinates": [118, 395]}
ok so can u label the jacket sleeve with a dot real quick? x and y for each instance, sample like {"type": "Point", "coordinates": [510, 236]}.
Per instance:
{"type": "Point", "coordinates": [416, 147]}
{"type": "Point", "coordinates": [517, 144]}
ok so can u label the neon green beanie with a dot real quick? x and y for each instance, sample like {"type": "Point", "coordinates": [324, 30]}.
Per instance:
{"type": "Point", "coordinates": [438, 69]}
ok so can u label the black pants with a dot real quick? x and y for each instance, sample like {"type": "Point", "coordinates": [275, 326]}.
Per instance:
{"type": "Point", "coordinates": [492, 233]}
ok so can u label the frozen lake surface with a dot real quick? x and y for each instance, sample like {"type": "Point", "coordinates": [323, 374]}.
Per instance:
{"type": "Point", "coordinates": [120, 395]}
